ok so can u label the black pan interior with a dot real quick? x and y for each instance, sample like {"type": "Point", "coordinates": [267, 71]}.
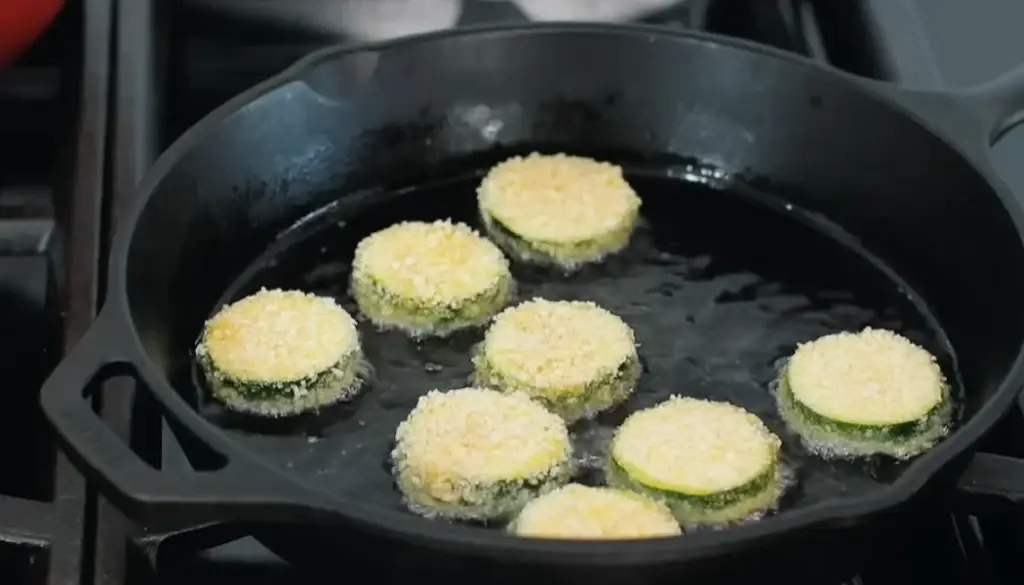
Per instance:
{"type": "Point", "coordinates": [723, 279]}
{"type": "Point", "coordinates": [719, 286]}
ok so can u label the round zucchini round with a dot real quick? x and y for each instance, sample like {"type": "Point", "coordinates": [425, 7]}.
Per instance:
{"type": "Point", "coordinates": [865, 393]}
{"type": "Point", "coordinates": [429, 279]}
{"type": "Point", "coordinates": [711, 463]}
{"type": "Point", "coordinates": [579, 512]}
{"type": "Point", "coordinates": [575, 357]}
{"type": "Point", "coordinates": [477, 454]}
{"type": "Point", "coordinates": [280, 353]}
{"type": "Point", "coordinates": [558, 209]}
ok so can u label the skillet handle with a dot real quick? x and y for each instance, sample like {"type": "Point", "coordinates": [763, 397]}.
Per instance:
{"type": "Point", "coordinates": [240, 488]}
{"type": "Point", "coordinates": [998, 105]}
{"type": "Point", "coordinates": [974, 118]}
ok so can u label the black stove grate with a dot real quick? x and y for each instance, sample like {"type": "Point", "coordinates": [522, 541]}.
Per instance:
{"type": "Point", "coordinates": [174, 64]}
{"type": "Point", "coordinates": [53, 104]}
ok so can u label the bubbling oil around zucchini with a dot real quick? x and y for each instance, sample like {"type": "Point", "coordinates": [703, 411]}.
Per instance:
{"type": "Point", "coordinates": [718, 285]}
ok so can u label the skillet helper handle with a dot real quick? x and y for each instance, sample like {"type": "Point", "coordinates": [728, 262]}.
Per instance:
{"type": "Point", "coordinates": [241, 488]}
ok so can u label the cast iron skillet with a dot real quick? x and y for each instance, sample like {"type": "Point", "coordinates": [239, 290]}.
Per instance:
{"type": "Point", "coordinates": [748, 160]}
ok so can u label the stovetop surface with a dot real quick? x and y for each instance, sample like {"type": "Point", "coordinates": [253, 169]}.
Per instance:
{"type": "Point", "coordinates": [174, 62]}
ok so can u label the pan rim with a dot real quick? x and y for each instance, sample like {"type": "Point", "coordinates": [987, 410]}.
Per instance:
{"type": "Point", "coordinates": [400, 525]}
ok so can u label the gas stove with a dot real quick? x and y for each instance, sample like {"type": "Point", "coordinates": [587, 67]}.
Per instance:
{"type": "Point", "coordinates": [171, 63]}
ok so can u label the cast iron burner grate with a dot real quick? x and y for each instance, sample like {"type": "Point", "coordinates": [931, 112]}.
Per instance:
{"type": "Point", "coordinates": [169, 76]}
{"type": "Point", "coordinates": [52, 112]}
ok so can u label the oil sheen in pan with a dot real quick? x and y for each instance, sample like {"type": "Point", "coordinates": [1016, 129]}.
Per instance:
{"type": "Point", "coordinates": [719, 285]}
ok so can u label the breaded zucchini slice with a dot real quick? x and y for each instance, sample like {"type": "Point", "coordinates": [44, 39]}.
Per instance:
{"type": "Point", "coordinates": [857, 394]}
{"type": "Point", "coordinates": [429, 278]}
{"type": "Point", "coordinates": [579, 512]}
{"type": "Point", "coordinates": [558, 209]}
{"type": "Point", "coordinates": [711, 463]}
{"type": "Point", "coordinates": [478, 454]}
{"type": "Point", "coordinates": [281, 353]}
{"type": "Point", "coordinates": [575, 357]}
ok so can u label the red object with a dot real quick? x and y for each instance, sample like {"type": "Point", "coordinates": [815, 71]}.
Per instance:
{"type": "Point", "coordinates": [21, 23]}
